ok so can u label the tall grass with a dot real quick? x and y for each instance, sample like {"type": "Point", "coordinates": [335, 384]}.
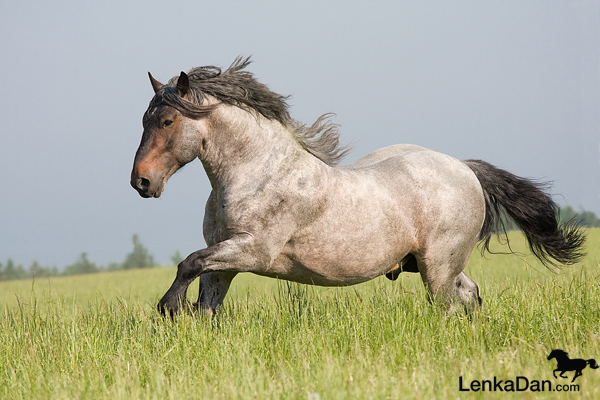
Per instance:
{"type": "Point", "coordinates": [100, 336]}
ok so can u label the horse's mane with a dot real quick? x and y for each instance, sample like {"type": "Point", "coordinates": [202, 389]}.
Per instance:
{"type": "Point", "coordinates": [560, 352]}
{"type": "Point", "coordinates": [238, 87]}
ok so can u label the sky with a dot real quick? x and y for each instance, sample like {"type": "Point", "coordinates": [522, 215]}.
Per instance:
{"type": "Point", "coordinates": [514, 83]}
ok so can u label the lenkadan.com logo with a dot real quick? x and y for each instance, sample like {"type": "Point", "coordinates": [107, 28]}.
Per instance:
{"type": "Point", "coordinates": [521, 383]}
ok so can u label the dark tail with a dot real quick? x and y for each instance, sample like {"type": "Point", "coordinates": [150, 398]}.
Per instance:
{"type": "Point", "coordinates": [592, 363]}
{"type": "Point", "coordinates": [532, 209]}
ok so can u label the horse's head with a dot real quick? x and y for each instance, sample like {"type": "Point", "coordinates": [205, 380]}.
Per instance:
{"type": "Point", "coordinates": [557, 353]}
{"type": "Point", "coordinates": [170, 139]}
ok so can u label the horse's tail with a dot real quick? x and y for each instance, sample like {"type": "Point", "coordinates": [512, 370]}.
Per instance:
{"type": "Point", "coordinates": [592, 363]}
{"type": "Point", "coordinates": [533, 210]}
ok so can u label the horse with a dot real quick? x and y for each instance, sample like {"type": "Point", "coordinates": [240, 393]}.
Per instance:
{"type": "Point", "coordinates": [281, 206]}
{"type": "Point", "coordinates": [564, 363]}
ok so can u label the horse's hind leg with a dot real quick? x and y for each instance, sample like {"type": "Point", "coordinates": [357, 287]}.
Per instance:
{"type": "Point", "coordinates": [213, 288]}
{"type": "Point", "coordinates": [442, 273]}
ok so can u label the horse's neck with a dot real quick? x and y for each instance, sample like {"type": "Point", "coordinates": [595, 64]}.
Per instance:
{"type": "Point", "coordinates": [243, 145]}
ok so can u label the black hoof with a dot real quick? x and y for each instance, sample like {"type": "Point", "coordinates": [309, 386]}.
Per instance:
{"type": "Point", "coordinates": [164, 308]}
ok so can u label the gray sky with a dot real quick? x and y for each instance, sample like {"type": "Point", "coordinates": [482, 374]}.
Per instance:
{"type": "Point", "coordinates": [515, 83]}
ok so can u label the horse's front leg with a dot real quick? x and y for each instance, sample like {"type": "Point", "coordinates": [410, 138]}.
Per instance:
{"type": "Point", "coordinates": [213, 289]}
{"type": "Point", "coordinates": [238, 254]}
{"type": "Point", "coordinates": [562, 374]}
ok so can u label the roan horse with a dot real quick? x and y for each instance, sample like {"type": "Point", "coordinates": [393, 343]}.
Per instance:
{"type": "Point", "coordinates": [280, 207]}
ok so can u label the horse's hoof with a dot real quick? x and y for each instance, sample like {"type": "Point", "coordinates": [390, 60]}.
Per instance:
{"type": "Point", "coordinates": [164, 309]}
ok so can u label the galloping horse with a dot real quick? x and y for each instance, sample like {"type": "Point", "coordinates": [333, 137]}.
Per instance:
{"type": "Point", "coordinates": [564, 363]}
{"type": "Point", "coordinates": [280, 207]}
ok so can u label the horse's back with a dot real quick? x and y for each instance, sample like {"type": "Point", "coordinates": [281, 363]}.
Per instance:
{"type": "Point", "coordinates": [429, 170]}
{"type": "Point", "coordinates": [386, 153]}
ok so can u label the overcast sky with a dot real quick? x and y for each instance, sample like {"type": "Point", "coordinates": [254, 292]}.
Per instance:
{"type": "Point", "coordinates": [515, 83]}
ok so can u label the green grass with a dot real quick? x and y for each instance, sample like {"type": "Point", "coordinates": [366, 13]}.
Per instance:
{"type": "Point", "coordinates": [99, 336]}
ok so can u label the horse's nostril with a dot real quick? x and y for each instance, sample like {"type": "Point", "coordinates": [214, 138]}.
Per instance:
{"type": "Point", "coordinates": [143, 183]}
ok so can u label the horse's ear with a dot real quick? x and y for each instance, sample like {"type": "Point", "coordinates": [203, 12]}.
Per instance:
{"type": "Point", "coordinates": [156, 85]}
{"type": "Point", "coordinates": [183, 84]}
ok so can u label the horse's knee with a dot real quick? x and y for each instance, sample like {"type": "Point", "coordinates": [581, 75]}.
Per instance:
{"type": "Point", "coordinates": [187, 270]}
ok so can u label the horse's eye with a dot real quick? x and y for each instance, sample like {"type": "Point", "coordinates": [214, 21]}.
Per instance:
{"type": "Point", "coordinates": [167, 123]}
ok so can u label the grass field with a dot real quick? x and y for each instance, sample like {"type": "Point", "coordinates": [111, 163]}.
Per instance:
{"type": "Point", "coordinates": [99, 336]}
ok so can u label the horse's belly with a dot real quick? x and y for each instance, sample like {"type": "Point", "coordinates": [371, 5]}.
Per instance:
{"type": "Point", "coordinates": [326, 259]}
{"type": "Point", "coordinates": [321, 273]}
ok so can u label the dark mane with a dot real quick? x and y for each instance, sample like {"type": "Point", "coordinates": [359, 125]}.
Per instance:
{"type": "Point", "coordinates": [238, 87]}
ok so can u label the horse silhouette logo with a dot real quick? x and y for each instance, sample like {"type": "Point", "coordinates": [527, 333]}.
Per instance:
{"type": "Point", "coordinates": [564, 363]}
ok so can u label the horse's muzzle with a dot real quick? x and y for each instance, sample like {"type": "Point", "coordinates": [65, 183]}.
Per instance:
{"type": "Point", "coordinates": [144, 186]}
